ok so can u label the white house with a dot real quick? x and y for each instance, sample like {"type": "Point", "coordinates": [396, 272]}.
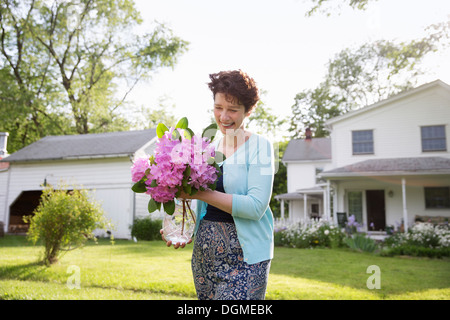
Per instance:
{"type": "Point", "coordinates": [304, 160]}
{"type": "Point", "coordinates": [390, 161]}
{"type": "Point", "coordinates": [98, 162]}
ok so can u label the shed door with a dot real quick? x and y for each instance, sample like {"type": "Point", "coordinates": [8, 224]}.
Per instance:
{"type": "Point", "coordinates": [376, 212]}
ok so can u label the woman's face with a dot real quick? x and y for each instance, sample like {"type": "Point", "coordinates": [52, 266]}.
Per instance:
{"type": "Point", "coordinates": [229, 115]}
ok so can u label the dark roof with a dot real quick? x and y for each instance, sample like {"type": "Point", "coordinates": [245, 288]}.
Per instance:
{"type": "Point", "coordinates": [421, 165]}
{"type": "Point", "coordinates": [305, 150]}
{"type": "Point", "coordinates": [111, 144]}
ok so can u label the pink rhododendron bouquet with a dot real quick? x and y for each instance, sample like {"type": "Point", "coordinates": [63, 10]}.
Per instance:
{"type": "Point", "coordinates": [182, 161]}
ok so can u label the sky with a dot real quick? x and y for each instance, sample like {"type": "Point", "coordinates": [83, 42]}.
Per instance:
{"type": "Point", "coordinates": [275, 43]}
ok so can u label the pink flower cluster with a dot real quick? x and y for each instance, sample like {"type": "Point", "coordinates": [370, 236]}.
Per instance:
{"type": "Point", "coordinates": [171, 160]}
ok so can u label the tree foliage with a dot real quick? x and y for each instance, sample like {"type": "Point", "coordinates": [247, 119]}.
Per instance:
{"type": "Point", "coordinates": [263, 120]}
{"type": "Point", "coordinates": [68, 66]}
{"type": "Point", "coordinates": [326, 6]}
{"type": "Point", "coordinates": [361, 76]}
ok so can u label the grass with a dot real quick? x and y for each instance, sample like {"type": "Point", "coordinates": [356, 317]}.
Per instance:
{"type": "Point", "coordinates": [150, 270]}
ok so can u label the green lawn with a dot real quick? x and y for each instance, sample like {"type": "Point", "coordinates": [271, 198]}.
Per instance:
{"type": "Point", "coordinates": [150, 270]}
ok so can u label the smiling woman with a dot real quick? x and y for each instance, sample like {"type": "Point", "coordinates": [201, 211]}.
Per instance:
{"type": "Point", "coordinates": [233, 244]}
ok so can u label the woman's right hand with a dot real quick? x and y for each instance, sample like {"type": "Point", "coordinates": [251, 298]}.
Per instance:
{"type": "Point", "coordinates": [175, 245]}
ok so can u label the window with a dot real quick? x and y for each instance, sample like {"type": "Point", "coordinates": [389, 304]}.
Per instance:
{"type": "Point", "coordinates": [437, 197]}
{"type": "Point", "coordinates": [362, 142]}
{"type": "Point", "coordinates": [433, 138]}
{"type": "Point", "coordinates": [355, 205]}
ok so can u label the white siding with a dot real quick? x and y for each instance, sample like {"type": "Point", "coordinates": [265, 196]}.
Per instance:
{"type": "Point", "coordinates": [302, 175]}
{"type": "Point", "coordinates": [396, 127]}
{"type": "Point", "coordinates": [3, 193]}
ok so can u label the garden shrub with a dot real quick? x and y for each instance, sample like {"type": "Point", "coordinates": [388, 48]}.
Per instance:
{"type": "Point", "coordinates": [423, 240]}
{"type": "Point", "coordinates": [361, 242]}
{"type": "Point", "coordinates": [64, 220]}
{"type": "Point", "coordinates": [308, 235]}
{"type": "Point", "coordinates": [146, 229]}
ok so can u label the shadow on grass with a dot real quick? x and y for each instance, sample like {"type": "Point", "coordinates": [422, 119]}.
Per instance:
{"type": "Point", "coordinates": [27, 271]}
{"type": "Point", "coordinates": [14, 241]}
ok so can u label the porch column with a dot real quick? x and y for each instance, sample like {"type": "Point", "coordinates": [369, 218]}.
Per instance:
{"type": "Point", "coordinates": [335, 205]}
{"type": "Point", "coordinates": [282, 209]}
{"type": "Point", "coordinates": [305, 206]}
{"type": "Point", "coordinates": [328, 201]}
{"type": "Point", "coordinates": [405, 210]}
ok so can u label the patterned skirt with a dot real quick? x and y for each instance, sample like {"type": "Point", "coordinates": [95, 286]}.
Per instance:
{"type": "Point", "coordinates": [219, 269]}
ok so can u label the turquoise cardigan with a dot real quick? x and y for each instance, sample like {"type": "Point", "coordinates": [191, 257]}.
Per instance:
{"type": "Point", "coordinates": [248, 176]}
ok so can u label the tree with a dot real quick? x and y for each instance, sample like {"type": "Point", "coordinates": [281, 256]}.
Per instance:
{"type": "Point", "coordinates": [64, 220]}
{"type": "Point", "coordinates": [279, 180]}
{"type": "Point", "coordinates": [64, 63]}
{"type": "Point", "coordinates": [263, 120]}
{"type": "Point", "coordinates": [311, 109]}
{"type": "Point", "coordinates": [146, 117]}
{"type": "Point", "coordinates": [319, 6]}
{"type": "Point", "coordinates": [363, 76]}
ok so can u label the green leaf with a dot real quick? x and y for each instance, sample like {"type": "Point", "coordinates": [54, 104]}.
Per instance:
{"type": "Point", "coordinates": [212, 186]}
{"type": "Point", "coordinates": [188, 133]}
{"type": "Point", "coordinates": [182, 124]}
{"type": "Point", "coordinates": [187, 172]}
{"type": "Point", "coordinates": [176, 135]}
{"type": "Point", "coordinates": [153, 184]}
{"type": "Point", "coordinates": [219, 156]}
{"type": "Point", "coordinates": [161, 129]}
{"type": "Point", "coordinates": [153, 205]}
{"type": "Point", "coordinates": [219, 172]}
{"type": "Point", "coordinates": [187, 188]}
{"type": "Point", "coordinates": [210, 131]}
{"type": "Point", "coordinates": [139, 187]}
{"type": "Point", "coordinates": [169, 207]}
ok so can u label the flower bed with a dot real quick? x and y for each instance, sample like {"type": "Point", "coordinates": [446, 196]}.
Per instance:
{"type": "Point", "coordinates": [308, 235]}
{"type": "Point", "coordinates": [423, 239]}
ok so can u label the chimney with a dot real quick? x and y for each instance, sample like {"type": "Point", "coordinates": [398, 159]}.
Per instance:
{"type": "Point", "coordinates": [3, 144]}
{"type": "Point", "coordinates": [308, 134]}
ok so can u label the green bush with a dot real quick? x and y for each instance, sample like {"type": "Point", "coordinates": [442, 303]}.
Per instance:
{"type": "Point", "coordinates": [146, 229]}
{"type": "Point", "coordinates": [416, 251]}
{"type": "Point", "coordinates": [64, 220]}
{"type": "Point", "coordinates": [309, 235]}
{"type": "Point", "coordinates": [360, 242]}
{"type": "Point", "coordinates": [422, 240]}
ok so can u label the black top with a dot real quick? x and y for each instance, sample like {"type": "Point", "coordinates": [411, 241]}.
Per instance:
{"type": "Point", "coordinates": [215, 214]}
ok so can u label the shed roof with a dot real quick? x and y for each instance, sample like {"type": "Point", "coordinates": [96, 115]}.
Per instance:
{"type": "Point", "coordinates": [308, 150]}
{"type": "Point", "coordinates": [99, 145]}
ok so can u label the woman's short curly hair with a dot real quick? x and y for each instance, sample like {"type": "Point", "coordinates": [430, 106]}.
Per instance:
{"type": "Point", "coordinates": [235, 84]}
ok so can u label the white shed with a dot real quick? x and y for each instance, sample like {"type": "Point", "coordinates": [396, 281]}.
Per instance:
{"type": "Point", "coordinates": [98, 162]}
